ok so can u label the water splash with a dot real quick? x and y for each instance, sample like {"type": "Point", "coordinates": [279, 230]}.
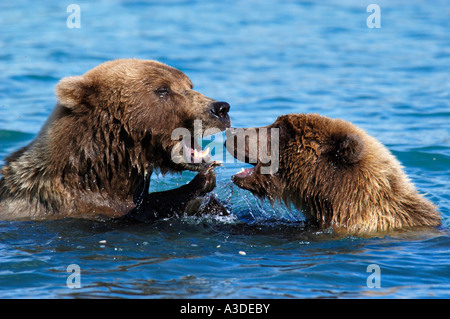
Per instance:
{"type": "Point", "coordinates": [261, 211]}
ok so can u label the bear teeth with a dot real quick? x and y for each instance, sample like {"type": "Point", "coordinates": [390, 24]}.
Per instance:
{"type": "Point", "coordinates": [201, 154]}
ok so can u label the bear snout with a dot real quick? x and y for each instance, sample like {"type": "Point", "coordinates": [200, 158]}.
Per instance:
{"type": "Point", "coordinates": [220, 110]}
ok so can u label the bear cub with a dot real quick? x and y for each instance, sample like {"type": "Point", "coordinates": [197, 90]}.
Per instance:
{"type": "Point", "coordinates": [337, 174]}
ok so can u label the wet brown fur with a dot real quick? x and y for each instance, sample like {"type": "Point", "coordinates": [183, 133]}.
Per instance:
{"type": "Point", "coordinates": [341, 177]}
{"type": "Point", "coordinates": [111, 128]}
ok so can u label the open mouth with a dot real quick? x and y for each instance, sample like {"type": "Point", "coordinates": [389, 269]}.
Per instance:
{"type": "Point", "coordinates": [190, 154]}
{"type": "Point", "coordinates": [248, 172]}
{"type": "Point", "coordinates": [193, 153]}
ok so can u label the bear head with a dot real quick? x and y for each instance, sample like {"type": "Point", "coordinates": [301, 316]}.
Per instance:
{"type": "Point", "coordinates": [132, 107]}
{"type": "Point", "coordinates": [331, 170]}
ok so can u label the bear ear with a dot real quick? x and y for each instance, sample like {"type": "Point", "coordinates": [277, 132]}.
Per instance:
{"type": "Point", "coordinates": [346, 149]}
{"type": "Point", "coordinates": [73, 90]}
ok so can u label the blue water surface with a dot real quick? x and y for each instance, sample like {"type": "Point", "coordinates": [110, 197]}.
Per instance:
{"type": "Point", "coordinates": [265, 58]}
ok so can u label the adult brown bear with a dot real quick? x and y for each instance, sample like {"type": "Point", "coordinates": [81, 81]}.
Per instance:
{"type": "Point", "coordinates": [334, 172]}
{"type": "Point", "coordinates": [110, 129]}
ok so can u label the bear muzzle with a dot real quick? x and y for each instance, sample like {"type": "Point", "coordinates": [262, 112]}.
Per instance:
{"type": "Point", "coordinates": [220, 111]}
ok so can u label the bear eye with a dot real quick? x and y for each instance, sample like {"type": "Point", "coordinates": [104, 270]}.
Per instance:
{"type": "Point", "coordinates": [162, 91]}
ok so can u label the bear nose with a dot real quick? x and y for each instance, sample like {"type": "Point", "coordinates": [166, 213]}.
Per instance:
{"type": "Point", "coordinates": [220, 108]}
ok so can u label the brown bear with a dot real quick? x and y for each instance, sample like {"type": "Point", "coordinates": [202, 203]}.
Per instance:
{"type": "Point", "coordinates": [338, 175]}
{"type": "Point", "coordinates": [110, 129]}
